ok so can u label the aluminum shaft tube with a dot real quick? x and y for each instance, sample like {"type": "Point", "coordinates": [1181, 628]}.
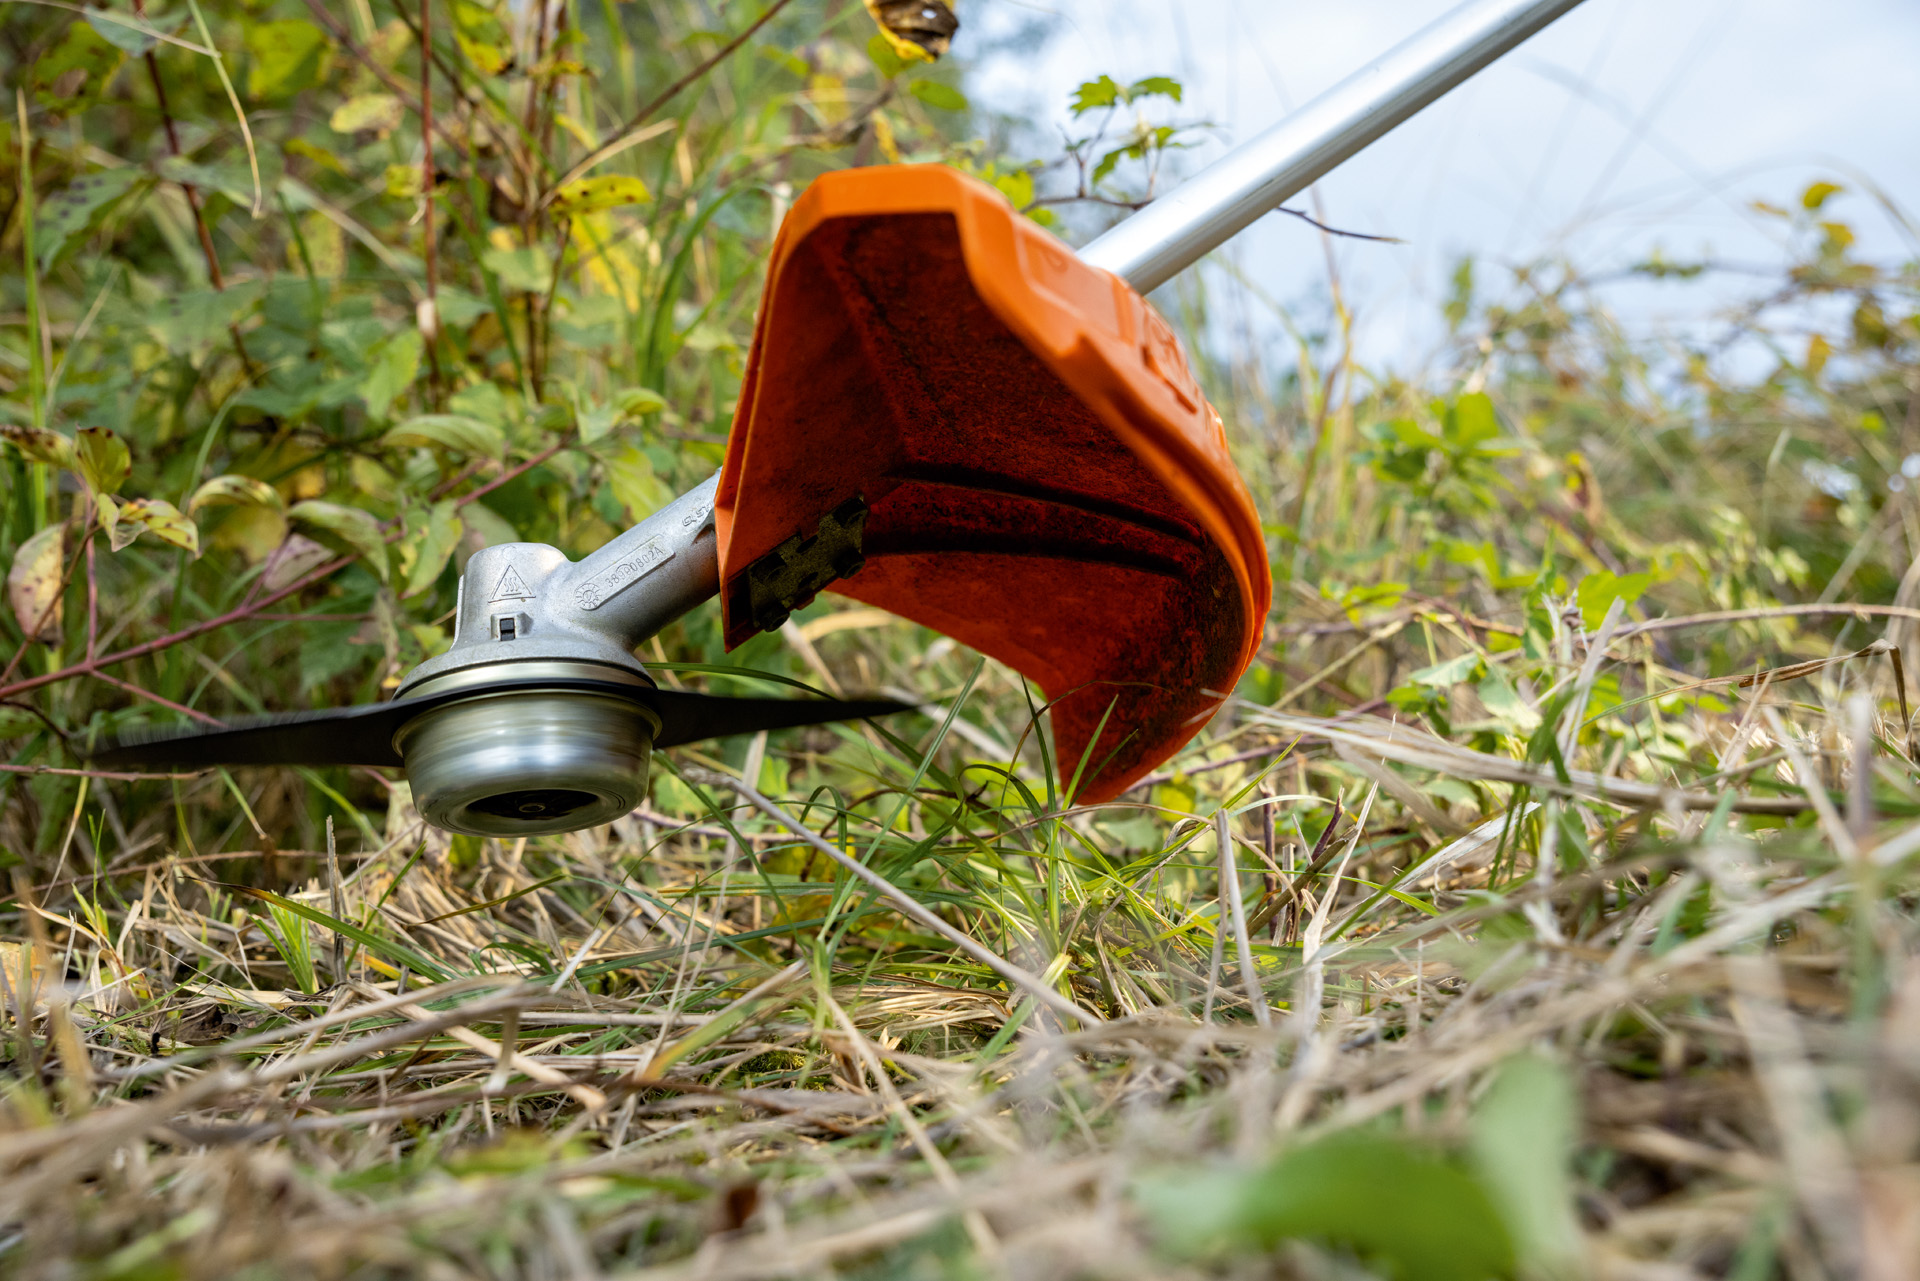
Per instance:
{"type": "Point", "coordinates": [1179, 228]}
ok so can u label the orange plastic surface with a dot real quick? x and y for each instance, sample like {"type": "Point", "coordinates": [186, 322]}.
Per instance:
{"type": "Point", "coordinates": [1046, 483]}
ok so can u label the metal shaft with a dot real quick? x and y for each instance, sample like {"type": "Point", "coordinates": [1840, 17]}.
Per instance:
{"type": "Point", "coordinates": [1181, 227]}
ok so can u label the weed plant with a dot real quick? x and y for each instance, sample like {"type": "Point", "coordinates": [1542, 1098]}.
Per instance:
{"type": "Point", "coordinates": [1542, 904]}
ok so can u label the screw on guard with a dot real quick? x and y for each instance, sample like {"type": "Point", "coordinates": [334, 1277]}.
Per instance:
{"type": "Point", "coordinates": [948, 414]}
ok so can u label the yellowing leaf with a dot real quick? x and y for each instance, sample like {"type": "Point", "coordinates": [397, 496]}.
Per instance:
{"type": "Point", "coordinates": [153, 516]}
{"type": "Point", "coordinates": [457, 432]}
{"type": "Point", "coordinates": [1819, 193]}
{"type": "Point", "coordinates": [33, 584]}
{"type": "Point", "coordinates": [1818, 350]}
{"type": "Point", "coordinates": [403, 182]}
{"type": "Point", "coordinates": [103, 459]}
{"type": "Point", "coordinates": [288, 56]}
{"type": "Point", "coordinates": [426, 554]}
{"type": "Point", "coordinates": [234, 491]}
{"type": "Point", "coordinates": [916, 30]}
{"type": "Point", "coordinates": [369, 113]}
{"type": "Point", "coordinates": [590, 195]}
{"type": "Point", "coordinates": [357, 529]}
{"type": "Point", "coordinates": [39, 445]}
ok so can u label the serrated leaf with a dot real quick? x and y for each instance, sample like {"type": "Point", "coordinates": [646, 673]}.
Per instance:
{"type": "Point", "coordinates": [1156, 86]}
{"type": "Point", "coordinates": [357, 529]}
{"type": "Point", "coordinates": [391, 372]}
{"type": "Point", "coordinates": [1094, 94]}
{"type": "Point", "coordinates": [103, 459]}
{"type": "Point", "coordinates": [934, 94]}
{"type": "Point", "coordinates": [77, 208]}
{"type": "Point", "coordinates": [427, 554]}
{"type": "Point", "coordinates": [288, 55]}
{"type": "Point", "coordinates": [39, 445]}
{"type": "Point", "coordinates": [33, 584]}
{"type": "Point", "coordinates": [234, 491]}
{"type": "Point", "coordinates": [590, 195]}
{"type": "Point", "coordinates": [377, 113]}
{"type": "Point", "coordinates": [154, 516]}
{"type": "Point", "coordinates": [465, 436]}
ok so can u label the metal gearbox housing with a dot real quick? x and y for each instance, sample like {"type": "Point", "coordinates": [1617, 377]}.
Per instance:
{"type": "Point", "coordinates": [537, 761]}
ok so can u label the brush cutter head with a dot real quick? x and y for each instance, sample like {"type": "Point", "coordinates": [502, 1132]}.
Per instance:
{"type": "Point", "coordinates": [948, 415]}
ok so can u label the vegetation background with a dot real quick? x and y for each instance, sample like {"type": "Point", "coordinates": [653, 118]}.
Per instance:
{"type": "Point", "coordinates": [1543, 905]}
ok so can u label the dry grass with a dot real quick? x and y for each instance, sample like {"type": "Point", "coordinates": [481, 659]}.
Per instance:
{"type": "Point", "coordinates": [640, 1050]}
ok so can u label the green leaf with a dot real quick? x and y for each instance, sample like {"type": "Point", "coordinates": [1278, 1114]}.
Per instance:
{"type": "Point", "coordinates": [234, 491]}
{"type": "Point", "coordinates": [934, 94]}
{"type": "Point", "coordinates": [525, 269]}
{"type": "Point", "coordinates": [425, 555]}
{"type": "Point", "coordinates": [590, 195]}
{"type": "Point", "coordinates": [1455, 671]}
{"type": "Point", "coordinates": [1094, 94]}
{"type": "Point", "coordinates": [189, 321]}
{"type": "Point", "coordinates": [357, 529]}
{"type": "Point", "coordinates": [18, 722]}
{"type": "Point", "coordinates": [78, 208]}
{"type": "Point", "coordinates": [1524, 1133]}
{"type": "Point", "coordinates": [391, 372]}
{"type": "Point", "coordinates": [888, 63]}
{"type": "Point", "coordinates": [1470, 421]}
{"type": "Point", "coordinates": [40, 445]}
{"type": "Point", "coordinates": [123, 33]}
{"type": "Point", "coordinates": [630, 476]}
{"type": "Point", "coordinates": [1601, 588]}
{"type": "Point", "coordinates": [104, 461]}
{"type": "Point", "coordinates": [1156, 87]}
{"type": "Point", "coordinates": [231, 180]}
{"type": "Point", "coordinates": [82, 50]}
{"type": "Point", "coordinates": [288, 56]}
{"type": "Point", "coordinates": [465, 436]}
{"type": "Point", "coordinates": [153, 516]}
{"type": "Point", "coordinates": [1500, 698]}
{"type": "Point", "coordinates": [1404, 1209]}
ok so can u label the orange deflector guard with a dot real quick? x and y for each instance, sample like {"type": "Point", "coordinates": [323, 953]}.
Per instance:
{"type": "Point", "coordinates": [1003, 443]}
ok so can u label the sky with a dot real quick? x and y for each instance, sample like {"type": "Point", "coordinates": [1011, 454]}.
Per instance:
{"type": "Point", "coordinates": [1628, 126]}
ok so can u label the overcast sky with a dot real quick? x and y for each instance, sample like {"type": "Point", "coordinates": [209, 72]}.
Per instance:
{"type": "Point", "coordinates": [1628, 125]}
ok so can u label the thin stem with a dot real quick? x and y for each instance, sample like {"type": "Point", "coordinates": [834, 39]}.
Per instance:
{"type": "Point", "coordinates": [430, 309]}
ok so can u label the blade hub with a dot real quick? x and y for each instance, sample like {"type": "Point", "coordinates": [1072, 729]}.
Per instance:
{"type": "Point", "coordinates": [528, 762]}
